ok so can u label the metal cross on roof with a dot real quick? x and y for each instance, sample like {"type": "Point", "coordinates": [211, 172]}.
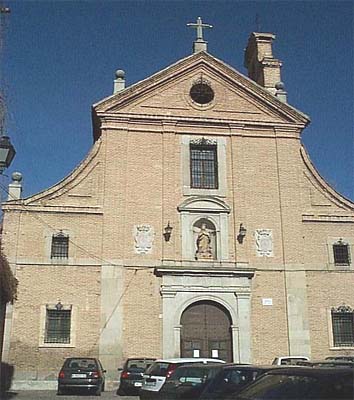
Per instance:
{"type": "Point", "coordinates": [199, 27]}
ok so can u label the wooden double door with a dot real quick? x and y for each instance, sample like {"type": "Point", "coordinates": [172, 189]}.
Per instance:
{"type": "Point", "coordinates": [206, 331]}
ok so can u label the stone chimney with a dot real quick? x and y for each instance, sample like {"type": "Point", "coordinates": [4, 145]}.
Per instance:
{"type": "Point", "coordinates": [262, 67]}
{"type": "Point", "coordinates": [15, 187]}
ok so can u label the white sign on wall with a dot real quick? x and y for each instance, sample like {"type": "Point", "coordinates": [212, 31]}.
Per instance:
{"type": "Point", "coordinates": [267, 302]}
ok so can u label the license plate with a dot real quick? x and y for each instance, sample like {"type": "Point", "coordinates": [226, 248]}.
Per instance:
{"type": "Point", "coordinates": [150, 383]}
{"type": "Point", "coordinates": [78, 375]}
{"type": "Point", "coordinates": [138, 384]}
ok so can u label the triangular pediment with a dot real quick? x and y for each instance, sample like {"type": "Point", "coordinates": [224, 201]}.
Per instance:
{"type": "Point", "coordinates": [167, 94]}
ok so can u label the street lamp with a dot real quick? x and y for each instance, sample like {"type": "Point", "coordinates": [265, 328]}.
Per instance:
{"type": "Point", "coordinates": [7, 153]}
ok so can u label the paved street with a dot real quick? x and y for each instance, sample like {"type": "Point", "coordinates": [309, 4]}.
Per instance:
{"type": "Point", "coordinates": [51, 395]}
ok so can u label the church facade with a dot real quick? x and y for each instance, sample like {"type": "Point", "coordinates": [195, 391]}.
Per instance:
{"type": "Point", "coordinates": [196, 226]}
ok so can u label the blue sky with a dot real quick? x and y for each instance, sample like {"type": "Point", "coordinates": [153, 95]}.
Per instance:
{"type": "Point", "coordinates": [59, 58]}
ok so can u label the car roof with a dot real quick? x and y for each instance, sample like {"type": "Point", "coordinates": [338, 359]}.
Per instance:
{"type": "Point", "coordinates": [194, 360]}
{"type": "Point", "coordinates": [315, 371]}
{"type": "Point", "coordinates": [251, 367]}
{"type": "Point", "coordinates": [141, 358]}
{"type": "Point", "coordinates": [291, 357]}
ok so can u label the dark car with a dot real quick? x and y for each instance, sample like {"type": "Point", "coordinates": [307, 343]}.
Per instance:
{"type": "Point", "coordinates": [300, 383]}
{"type": "Point", "coordinates": [340, 358]}
{"type": "Point", "coordinates": [333, 363]}
{"type": "Point", "coordinates": [131, 377]}
{"type": "Point", "coordinates": [81, 373]}
{"type": "Point", "coordinates": [209, 381]}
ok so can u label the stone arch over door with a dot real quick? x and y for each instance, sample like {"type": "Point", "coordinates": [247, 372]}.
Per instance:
{"type": "Point", "coordinates": [206, 331]}
{"type": "Point", "coordinates": [183, 287]}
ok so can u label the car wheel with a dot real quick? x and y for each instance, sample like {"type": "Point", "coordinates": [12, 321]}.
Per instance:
{"type": "Point", "coordinates": [60, 392]}
{"type": "Point", "coordinates": [103, 387]}
{"type": "Point", "coordinates": [98, 391]}
{"type": "Point", "coordinates": [121, 392]}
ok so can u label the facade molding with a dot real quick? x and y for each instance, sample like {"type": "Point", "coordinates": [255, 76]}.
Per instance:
{"type": "Point", "coordinates": [315, 178]}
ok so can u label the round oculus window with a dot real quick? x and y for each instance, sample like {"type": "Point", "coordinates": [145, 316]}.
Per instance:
{"type": "Point", "coordinates": [201, 93]}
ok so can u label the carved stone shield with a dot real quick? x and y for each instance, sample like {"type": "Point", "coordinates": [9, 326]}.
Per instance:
{"type": "Point", "coordinates": [264, 242]}
{"type": "Point", "coordinates": [143, 238]}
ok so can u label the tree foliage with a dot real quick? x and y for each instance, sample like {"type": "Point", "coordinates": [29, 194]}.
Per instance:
{"type": "Point", "coordinates": [8, 283]}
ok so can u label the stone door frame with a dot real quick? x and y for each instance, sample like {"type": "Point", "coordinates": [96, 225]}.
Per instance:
{"type": "Point", "coordinates": [231, 289]}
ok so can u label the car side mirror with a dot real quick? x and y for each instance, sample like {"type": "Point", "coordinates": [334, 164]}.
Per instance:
{"type": "Point", "coordinates": [120, 368]}
{"type": "Point", "coordinates": [104, 371]}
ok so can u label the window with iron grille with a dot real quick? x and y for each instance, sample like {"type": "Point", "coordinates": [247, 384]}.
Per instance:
{"type": "Point", "coordinates": [204, 167]}
{"type": "Point", "coordinates": [343, 326]}
{"type": "Point", "coordinates": [57, 327]}
{"type": "Point", "coordinates": [60, 246]}
{"type": "Point", "coordinates": [341, 253]}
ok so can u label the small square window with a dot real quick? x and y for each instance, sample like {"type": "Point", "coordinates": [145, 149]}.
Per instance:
{"type": "Point", "coordinates": [57, 326]}
{"type": "Point", "coordinates": [343, 326]}
{"type": "Point", "coordinates": [60, 246]}
{"type": "Point", "coordinates": [341, 253]}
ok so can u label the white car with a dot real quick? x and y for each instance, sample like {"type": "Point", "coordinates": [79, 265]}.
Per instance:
{"type": "Point", "coordinates": [289, 360]}
{"type": "Point", "coordinates": [156, 375]}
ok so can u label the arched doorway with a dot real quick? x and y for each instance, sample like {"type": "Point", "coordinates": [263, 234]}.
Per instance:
{"type": "Point", "coordinates": [206, 331]}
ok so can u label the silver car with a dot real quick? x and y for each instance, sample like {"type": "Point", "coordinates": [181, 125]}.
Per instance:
{"type": "Point", "coordinates": [156, 375]}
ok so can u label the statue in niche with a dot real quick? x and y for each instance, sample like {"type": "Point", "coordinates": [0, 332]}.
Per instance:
{"type": "Point", "coordinates": [204, 248]}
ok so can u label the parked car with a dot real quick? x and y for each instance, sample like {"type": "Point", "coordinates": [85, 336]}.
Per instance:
{"type": "Point", "coordinates": [301, 383]}
{"type": "Point", "coordinates": [155, 376]}
{"type": "Point", "coordinates": [331, 363]}
{"type": "Point", "coordinates": [131, 377]}
{"type": "Point", "coordinates": [82, 373]}
{"type": "Point", "coordinates": [340, 358]}
{"type": "Point", "coordinates": [212, 381]}
{"type": "Point", "coordinates": [289, 360]}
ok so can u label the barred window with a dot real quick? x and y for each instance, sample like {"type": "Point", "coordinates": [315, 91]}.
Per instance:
{"type": "Point", "coordinates": [60, 246]}
{"type": "Point", "coordinates": [57, 327]}
{"type": "Point", "coordinates": [203, 166]}
{"type": "Point", "coordinates": [343, 326]}
{"type": "Point", "coordinates": [341, 253]}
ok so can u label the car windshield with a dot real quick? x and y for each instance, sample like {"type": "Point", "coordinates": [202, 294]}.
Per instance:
{"type": "Point", "coordinates": [139, 364]}
{"type": "Point", "coordinates": [279, 387]}
{"type": "Point", "coordinates": [191, 375]}
{"type": "Point", "coordinates": [291, 361]}
{"type": "Point", "coordinates": [81, 363]}
{"type": "Point", "coordinates": [158, 369]}
{"type": "Point", "coordinates": [231, 380]}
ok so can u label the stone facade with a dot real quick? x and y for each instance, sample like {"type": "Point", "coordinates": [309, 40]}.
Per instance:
{"type": "Point", "coordinates": [127, 285]}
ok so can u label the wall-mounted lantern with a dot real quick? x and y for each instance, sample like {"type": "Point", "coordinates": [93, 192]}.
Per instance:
{"type": "Point", "coordinates": [168, 231]}
{"type": "Point", "coordinates": [241, 233]}
{"type": "Point", "coordinates": [7, 153]}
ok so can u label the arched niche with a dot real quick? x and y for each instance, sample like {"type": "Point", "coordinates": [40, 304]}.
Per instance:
{"type": "Point", "coordinates": [212, 212]}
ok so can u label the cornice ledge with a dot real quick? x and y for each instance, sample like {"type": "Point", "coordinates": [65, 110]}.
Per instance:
{"type": "Point", "coordinates": [345, 218]}
{"type": "Point", "coordinates": [204, 271]}
{"type": "Point", "coordinates": [57, 209]}
{"type": "Point", "coordinates": [123, 121]}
